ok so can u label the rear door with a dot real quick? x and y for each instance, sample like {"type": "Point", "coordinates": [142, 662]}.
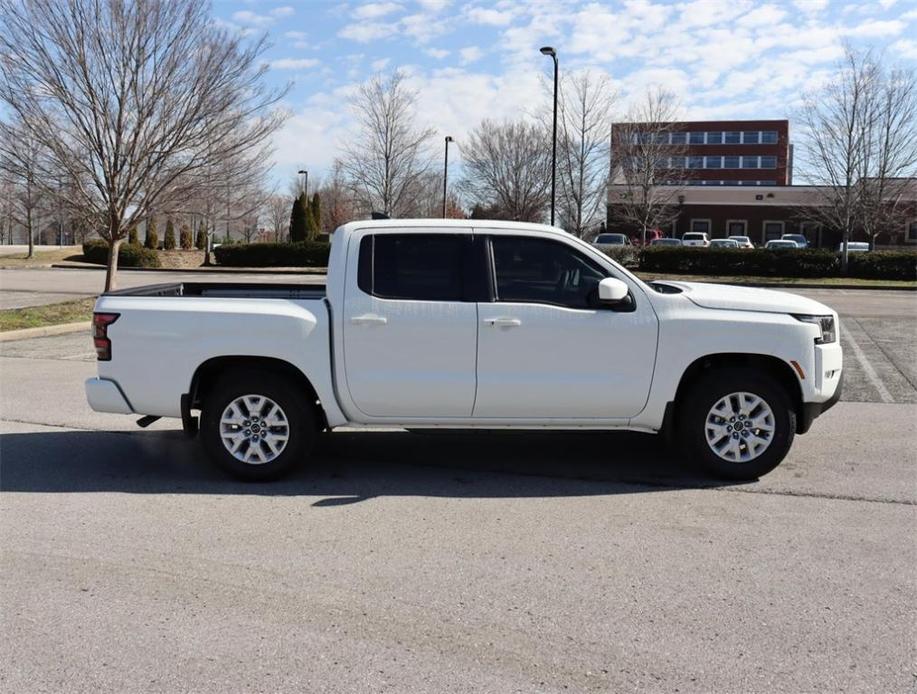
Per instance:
{"type": "Point", "coordinates": [546, 350]}
{"type": "Point", "coordinates": [410, 326]}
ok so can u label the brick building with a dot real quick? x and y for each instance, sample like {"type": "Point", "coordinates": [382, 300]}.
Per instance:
{"type": "Point", "coordinates": [716, 153]}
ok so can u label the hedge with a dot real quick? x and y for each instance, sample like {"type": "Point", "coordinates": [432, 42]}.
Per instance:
{"type": "Point", "coordinates": [300, 254]}
{"type": "Point", "coordinates": [129, 255]}
{"type": "Point", "coordinates": [884, 265]}
{"type": "Point", "coordinates": [628, 256]}
{"type": "Point", "coordinates": [737, 261]}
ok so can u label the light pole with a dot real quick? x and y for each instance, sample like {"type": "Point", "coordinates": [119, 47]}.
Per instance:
{"type": "Point", "coordinates": [305, 183]}
{"type": "Point", "coordinates": [446, 172]}
{"type": "Point", "coordinates": [548, 50]}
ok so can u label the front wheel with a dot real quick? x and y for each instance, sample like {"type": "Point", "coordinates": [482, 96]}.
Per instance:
{"type": "Point", "coordinates": [737, 423]}
{"type": "Point", "coordinates": [256, 426]}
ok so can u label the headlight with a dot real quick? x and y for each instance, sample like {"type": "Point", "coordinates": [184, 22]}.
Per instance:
{"type": "Point", "coordinates": [825, 324]}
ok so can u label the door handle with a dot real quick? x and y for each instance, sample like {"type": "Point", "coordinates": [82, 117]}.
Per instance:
{"type": "Point", "coordinates": [369, 319]}
{"type": "Point", "coordinates": [503, 322]}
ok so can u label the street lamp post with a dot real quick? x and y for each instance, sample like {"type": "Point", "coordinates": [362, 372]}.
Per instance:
{"type": "Point", "coordinates": [548, 50]}
{"type": "Point", "coordinates": [305, 183]}
{"type": "Point", "coordinates": [446, 173]}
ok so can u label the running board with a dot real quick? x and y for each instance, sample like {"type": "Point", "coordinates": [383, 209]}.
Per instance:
{"type": "Point", "coordinates": [146, 420]}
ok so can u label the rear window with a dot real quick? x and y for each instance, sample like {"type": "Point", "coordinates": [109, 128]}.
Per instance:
{"type": "Point", "coordinates": [422, 267]}
{"type": "Point", "coordinates": [692, 236]}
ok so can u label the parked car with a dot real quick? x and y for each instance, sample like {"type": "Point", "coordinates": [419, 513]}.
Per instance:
{"type": "Point", "coordinates": [781, 245]}
{"type": "Point", "coordinates": [800, 240]}
{"type": "Point", "coordinates": [743, 241]}
{"type": "Point", "coordinates": [612, 240]}
{"type": "Point", "coordinates": [665, 242]}
{"type": "Point", "coordinates": [854, 247]}
{"type": "Point", "coordinates": [468, 324]}
{"type": "Point", "coordinates": [724, 243]}
{"type": "Point", "coordinates": [695, 238]}
{"type": "Point", "coordinates": [651, 235]}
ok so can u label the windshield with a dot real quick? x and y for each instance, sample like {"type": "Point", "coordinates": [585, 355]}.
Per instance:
{"type": "Point", "coordinates": [610, 238]}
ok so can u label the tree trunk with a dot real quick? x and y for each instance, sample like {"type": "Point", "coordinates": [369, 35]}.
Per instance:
{"type": "Point", "coordinates": [111, 268]}
{"type": "Point", "coordinates": [844, 242]}
{"type": "Point", "coordinates": [31, 234]}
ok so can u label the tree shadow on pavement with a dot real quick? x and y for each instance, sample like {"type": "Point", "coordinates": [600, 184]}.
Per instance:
{"type": "Point", "coordinates": [349, 466]}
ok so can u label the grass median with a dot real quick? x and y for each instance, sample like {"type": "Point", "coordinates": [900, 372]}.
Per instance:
{"type": "Point", "coordinates": [49, 314]}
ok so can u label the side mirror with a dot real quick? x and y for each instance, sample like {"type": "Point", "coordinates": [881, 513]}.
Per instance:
{"type": "Point", "coordinates": [612, 291]}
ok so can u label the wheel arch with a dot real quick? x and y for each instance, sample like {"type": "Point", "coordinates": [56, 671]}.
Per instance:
{"type": "Point", "coordinates": [778, 369]}
{"type": "Point", "coordinates": [208, 373]}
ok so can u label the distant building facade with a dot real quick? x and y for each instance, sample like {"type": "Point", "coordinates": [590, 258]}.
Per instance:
{"type": "Point", "coordinates": [717, 153]}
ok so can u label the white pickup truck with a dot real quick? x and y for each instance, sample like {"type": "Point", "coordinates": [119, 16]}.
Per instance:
{"type": "Point", "coordinates": [468, 324]}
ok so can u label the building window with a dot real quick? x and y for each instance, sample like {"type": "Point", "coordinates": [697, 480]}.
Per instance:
{"type": "Point", "coordinates": [715, 138]}
{"type": "Point", "coordinates": [737, 227]}
{"type": "Point", "coordinates": [696, 138]}
{"type": "Point", "coordinates": [772, 230]}
{"type": "Point", "coordinates": [911, 231]}
{"type": "Point", "coordinates": [679, 138]}
{"type": "Point", "coordinates": [700, 226]}
{"type": "Point", "coordinates": [713, 162]}
{"type": "Point", "coordinates": [733, 138]}
{"type": "Point", "coordinates": [695, 162]}
{"type": "Point", "coordinates": [769, 137]}
{"type": "Point", "coordinates": [768, 162]}
{"type": "Point", "coordinates": [751, 137]}
{"type": "Point", "coordinates": [749, 162]}
{"type": "Point", "coordinates": [677, 162]}
{"type": "Point", "coordinates": [730, 162]}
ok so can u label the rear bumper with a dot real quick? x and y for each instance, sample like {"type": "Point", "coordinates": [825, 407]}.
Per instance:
{"type": "Point", "coordinates": [104, 395]}
{"type": "Point", "coordinates": [811, 410]}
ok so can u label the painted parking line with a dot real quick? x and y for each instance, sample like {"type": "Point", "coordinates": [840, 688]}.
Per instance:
{"type": "Point", "coordinates": [865, 364]}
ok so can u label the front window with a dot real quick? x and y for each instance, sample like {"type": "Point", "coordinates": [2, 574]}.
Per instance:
{"type": "Point", "coordinates": [912, 231]}
{"type": "Point", "coordinates": [750, 137]}
{"type": "Point", "coordinates": [679, 138]}
{"type": "Point", "coordinates": [696, 138]}
{"type": "Point", "coordinates": [698, 227]}
{"type": "Point", "coordinates": [749, 162]}
{"type": "Point", "coordinates": [714, 138]}
{"type": "Point", "coordinates": [768, 162]}
{"type": "Point", "coordinates": [773, 230]}
{"type": "Point", "coordinates": [730, 162]}
{"type": "Point", "coordinates": [769, 137]}
{"type": "Point", "coordinates": [736, 227]}
{"type": "Point", "coordinates": [531, 270]}
{"type": "Point", "coordinates": [714, 162]}
{"type": "Point", "coordinates": [733, 138]}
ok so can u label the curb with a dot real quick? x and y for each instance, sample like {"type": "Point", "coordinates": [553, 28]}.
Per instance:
{"type": "Point", "coordinates": [202, 270]}
{"type": "Point", "coordinates": [45, 331]}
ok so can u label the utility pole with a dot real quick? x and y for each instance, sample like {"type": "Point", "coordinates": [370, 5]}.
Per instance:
{"type": "Point", "coordinates": [446, 173]}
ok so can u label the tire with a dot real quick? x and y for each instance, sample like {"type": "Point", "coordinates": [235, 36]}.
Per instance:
{"type": "Point", "coordinates": [269, 442]}
{"type": "Point", "coordinates": [738, 427]}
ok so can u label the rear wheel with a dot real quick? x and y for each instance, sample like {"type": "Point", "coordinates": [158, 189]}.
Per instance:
{"type": "Point", "coordinates": [255, 426]}
{"type": "Point", "coordinates": [737, 423]}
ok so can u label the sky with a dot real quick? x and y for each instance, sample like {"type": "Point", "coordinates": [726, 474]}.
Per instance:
{"type": "Point", "coordinates": [473, 60]}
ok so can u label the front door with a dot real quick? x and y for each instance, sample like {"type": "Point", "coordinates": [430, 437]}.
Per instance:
{"type": "Point", "coordinates": [546, 350]}
{"type": "Point", "coordinates": [410, 334]}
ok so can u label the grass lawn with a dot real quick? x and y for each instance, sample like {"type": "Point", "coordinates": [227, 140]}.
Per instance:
{"type": "Point", "coordinates": [42, 257]}
{"type": "Point", "coordinates": [40, 316]}
{"type": "Point", "coordinates": [820, 281]}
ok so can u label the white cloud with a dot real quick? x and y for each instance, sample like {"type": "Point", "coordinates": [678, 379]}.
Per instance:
{"type": "Point", "coordinates": [364, 32]}
{"type": "Point", "coordinates": [434, 5]}
{"type": "Point", "coordinates": [470, 54]}
{"type": "Point", "coordinates": [904, 48]}
{"type": "Point", "coordinates": [285, 11]}
{"type": "Point", "coordinates": [438, 53]}
{"type": "Point", "coordinates": [811, 6]}
{"type": "Point", "coordinates": [249, 18]}
{"type": "Point", "coordinates": [374, 10]}
{"type": "Point", "coordinates": [480, 15]}
{"type": "Point", "coordinates": [876, 27]}
{"type": "Point", "coordinates": [380, 64]}
{"type": "Point", "coordinates": [763, 16]}
{"type": "Point", "coordinates": [298, 35]}
{"type": "Point", "coordinates": [294, 63]}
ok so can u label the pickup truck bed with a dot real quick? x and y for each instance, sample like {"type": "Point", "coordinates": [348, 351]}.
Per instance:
{"type": "Point", "coordinates": [227, 290]}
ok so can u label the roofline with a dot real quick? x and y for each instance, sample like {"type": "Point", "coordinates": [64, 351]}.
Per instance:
{"type": "Point", "coordinates": [437, 223]}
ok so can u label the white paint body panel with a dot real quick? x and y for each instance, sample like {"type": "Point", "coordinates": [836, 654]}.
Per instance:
{"type": "Point", "coordinates": [436, 364]}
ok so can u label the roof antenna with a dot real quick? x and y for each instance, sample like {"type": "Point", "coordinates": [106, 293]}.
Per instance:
{"type": "Point", "coordinates": [380, 215]}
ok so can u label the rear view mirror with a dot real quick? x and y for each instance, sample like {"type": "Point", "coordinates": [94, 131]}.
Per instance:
{"type": "Point", "coordinates": [612, 291]}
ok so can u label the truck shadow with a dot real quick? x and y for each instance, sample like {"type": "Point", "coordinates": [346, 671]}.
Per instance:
{"type": "Point", "coordinates": [349, 467]}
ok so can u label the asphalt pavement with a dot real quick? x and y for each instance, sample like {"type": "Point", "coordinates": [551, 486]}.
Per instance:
{"type": "Point", "coordinates": [452, 563]}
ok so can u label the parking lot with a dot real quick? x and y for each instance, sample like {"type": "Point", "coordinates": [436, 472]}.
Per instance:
{"type": "Point", "coordinates": [440, 562]}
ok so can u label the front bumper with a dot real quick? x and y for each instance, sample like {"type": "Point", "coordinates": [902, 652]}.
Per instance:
{"type": "Point", "coordinates": [104, 395]}
{"type": "Point", "coordinates": [811, 410]}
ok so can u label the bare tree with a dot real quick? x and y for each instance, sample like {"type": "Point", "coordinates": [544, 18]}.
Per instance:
{"type": "Point", "coordinates": [20, 158]}
{"type": "Point", "coordinates": [647, 163]}
{"type": "Point", "coordinates": [278, 214]}
{"type": "Point", "coordinates": [508, 168]}
{"type": "Point", "coordinates": [338, 205]}
{"type": "Point", "coordinates": [888, 162]}
{"type": "Point", "coordinates": [584, 112]}
{"type": "Point", "coordinates": [389, 154]}
{"type": "Point", "coordinates": [131, 99]}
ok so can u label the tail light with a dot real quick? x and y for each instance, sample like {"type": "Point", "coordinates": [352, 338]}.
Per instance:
{"type": "Point", "coordinates": [100, 323]}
